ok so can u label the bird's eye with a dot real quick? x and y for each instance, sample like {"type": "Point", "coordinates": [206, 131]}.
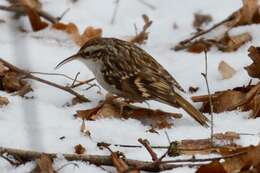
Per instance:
{"type": "Point", "coordinates": [86, 53]}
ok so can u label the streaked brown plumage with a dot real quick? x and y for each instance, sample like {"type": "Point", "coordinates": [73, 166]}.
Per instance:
{"type": "Point", "coordinates": [128, 71]}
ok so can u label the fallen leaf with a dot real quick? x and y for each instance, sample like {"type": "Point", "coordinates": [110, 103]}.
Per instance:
{"type": "Point", "coordinates": [244, 15]}
{"type": "Point", "coordinates": [79, 149]}
{"type": "Point", "coordinates": [200, 19]}
{"type": "Point", "coordinates": [193, 89]}
{"type": "Point", "coordinates": [232, 43]}
{"type": "Point", "coordinates": [120, 164]}
{"type": "Point", "coordinates": [244, 162]}
{"type": "Point", "coordinates": [3, 101]}
{"type": "Point", "coordinates": [34, 4]}
{"type": "Point", "coordinates": [226, 70]}
{"type": "Point", "coordinates": [35, 19]}
{"type": "Point", "coordinates": [90, 33]}
{"type": "Point", "coordinates": [72, 30]}
{"type": "Point", "coordinates": [44, 165]}
{"type": "Point", "coordinates": [199, 46]}
{"type": "Point", "coordinates": [142, 37]}
{"type": "Point", "coordinates": [11, 82]}
{"type": "Point", "coordinates": [213, 167]}
{"type": "Point", "coordinates": [3, 69]}
{"type": "Point", "coordinates": [243, 98]}
{"type": "Point", "coordinates": [119, 109]}
{"type": "Point", "coordinates": [253, 70]}
{"type": "Point", "coordinates": [224, 143]}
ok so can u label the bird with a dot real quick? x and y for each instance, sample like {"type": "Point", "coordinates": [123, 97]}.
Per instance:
{"type": "Point", "coordinates": [126, 70]}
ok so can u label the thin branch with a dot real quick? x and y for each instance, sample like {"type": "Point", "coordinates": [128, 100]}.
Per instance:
{"type": "Point", "coordinates": [148, 147]}
{"type": "Point", "coordinates": [152, 7]}
{"type": "Point", "coordinates": [55, 74]}
{"type": "Point", "coordinates": [205, 75]}
{"type": "Point", "coordinates": [21, 9]}
{"type": "Point", "coordinates": [28, 155]}
{"type": "Point", "coordinates": [82, 83]}
{"type": "Point", "coordinates": [75, 79]}
{"type": "Point", "coordinates": [115, 11]}
{"type": "Point", "coordinates": [204, 160]}
{"type": "Point", "coordinates": [63, 14]}
{"type": "Point", "coordinates": [184, 44]}
{"type": "Point", "coordinates": [30, 76]}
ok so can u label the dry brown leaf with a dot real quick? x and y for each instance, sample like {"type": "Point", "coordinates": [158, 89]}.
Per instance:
{"type": "Point", "coordinates": [35, 4]}
{"type": "Point", "coordinates": [199, 46]}
{"type": "Point", "coordinates": [226, 144]}
{"type": "Point", "coordinates": [3, 69]}
{"type": "Point", "coordinates": [141, 37]}
{"type": "Point", "coordinates": [79, 149]}
{"type": "Point", "coordinates": [244, 98]}
{"type": "Point", "coordinates": [232, 43]}
{"type": "Point", "coordinates": [72, 30]}
{"type": "Point", "coordinates": [243, 162]}
{"type": "Point", "coordinates": [213, 167]}
{"type": "Point", "coordinates": [120, 164]}
{"type": "Point", "coordinates": [11, 82]}
{"type": "Point", "coordinates": [119, 109]}
{"type": "Point", "coordinates": [226, 70]}
{"type": "Point", "coordinates": [200, 19]}
{"type": "Point", "coordinates": [89, 33]}
{"type": "Point", "coordinates": [245, 14]}
{"type": "Point", "coordinates": [35, 19]}
{"type": "Point", "coordinates": [3, 101]}
{"type": "Point", "coordinates": [193, 89]}
{"type": "Point", "coordinates": [253, 70]}
{"type": "Point", "coordinates": [44, 165]}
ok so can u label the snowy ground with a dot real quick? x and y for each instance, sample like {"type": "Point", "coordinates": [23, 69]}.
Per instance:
{"type": "Point", "coordinates": [37, 124]}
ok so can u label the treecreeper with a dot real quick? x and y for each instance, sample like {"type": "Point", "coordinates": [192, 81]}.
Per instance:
{"type": "Point", "coordinates": [125, 70]}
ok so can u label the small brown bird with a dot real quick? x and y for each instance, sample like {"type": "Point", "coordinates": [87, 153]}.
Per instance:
{"type": "Point", "coordinates": [128, 71]}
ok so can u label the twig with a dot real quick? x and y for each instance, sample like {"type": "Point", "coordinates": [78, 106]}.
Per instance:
{"type": "Point", "coordinates": [82, 83]}
{"type": "Point", "coordinates": [63, 14]}
{"type": "Point", "coordinates": [21, 9]}
{"type": "Point", "coordinates": [205, 75]}
{"type": "Point", "coordinates": [75, 79]}
{"type": "Point", "coordinates": [115, 11]}
{"type": "Point", "coordinates": [152, 7]}
{"type": "Point", "coordinates": [204, 160]}
{"type": "Point", "coordinates": [148, 147]}
{"type": "Point", "coordinates": [55, 74]}
{"type": "Point", "coordinates": [27, 155]}
{"type": "Point", "coordinates": [183, 44]}
{"type": "Point", "coordinates": [30, 76]}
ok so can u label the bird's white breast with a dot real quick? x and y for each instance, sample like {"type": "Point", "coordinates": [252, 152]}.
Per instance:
{"type": "Point", "coordinates": [96, 68]}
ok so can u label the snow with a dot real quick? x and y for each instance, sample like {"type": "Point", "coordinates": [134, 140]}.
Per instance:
{"type": "Point", "coordinates": [37, 124]}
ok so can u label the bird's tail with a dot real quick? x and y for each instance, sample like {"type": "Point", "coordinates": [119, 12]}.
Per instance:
{"type": "Point", "coordinates": [190, 109]}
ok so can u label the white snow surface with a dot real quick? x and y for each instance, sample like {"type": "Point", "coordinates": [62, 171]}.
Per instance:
{"type": "Point", "coordinates": [37, 124]}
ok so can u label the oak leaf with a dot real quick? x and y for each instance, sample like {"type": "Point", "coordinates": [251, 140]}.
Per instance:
{"type": "Point", "coordinates": [73, 31]}
{"type": "Point", "coordinates": [226, 70]}
{"type": "Point", "coordinates": [253, 70]}
{"type": "Point", "coordinates": [119, 109]}
{"type": "Point", "coordinates": [3, 101]}
{"type": "Point", "coordinates": [79, 149]}
{"type": "Point", "coordinates": [232, 43]}
{"type": "Point", "coordinates": [44, 165]}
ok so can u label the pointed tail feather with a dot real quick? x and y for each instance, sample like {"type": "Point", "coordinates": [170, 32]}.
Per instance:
{"type": "Point", "coordinates": [190, 109]}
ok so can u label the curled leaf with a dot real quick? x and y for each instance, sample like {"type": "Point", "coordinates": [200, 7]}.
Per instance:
{"type": "Point", "coordinates": [226, 70]}
{"type": "Point", "coordinates": [253, 70]}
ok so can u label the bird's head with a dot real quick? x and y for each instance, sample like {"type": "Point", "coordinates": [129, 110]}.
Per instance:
{"type": "Point", "coordinates": [92, 49]}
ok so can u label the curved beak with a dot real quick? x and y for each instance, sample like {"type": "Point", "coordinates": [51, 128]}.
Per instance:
{"type": "Point", "coordinates": [65, 61]}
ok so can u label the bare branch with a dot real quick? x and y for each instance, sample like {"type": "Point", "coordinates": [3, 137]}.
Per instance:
{"type": "Point", "coordinates": [21, 9]}
{"type": "Point", "coordinates": [30, 76]}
